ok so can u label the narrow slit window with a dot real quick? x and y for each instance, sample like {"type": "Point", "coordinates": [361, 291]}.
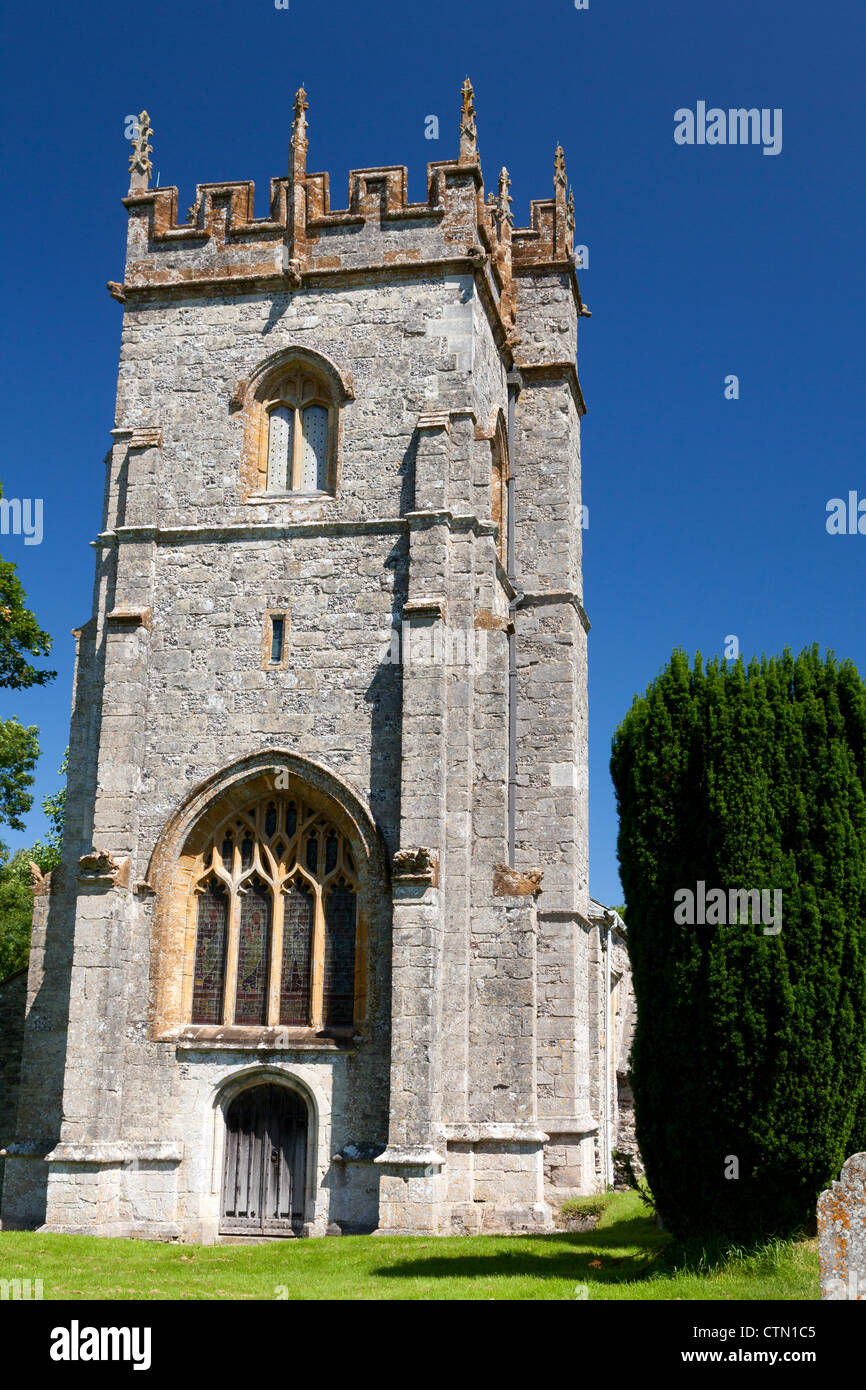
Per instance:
{"type": "Point", "coordinates": [278, 632]}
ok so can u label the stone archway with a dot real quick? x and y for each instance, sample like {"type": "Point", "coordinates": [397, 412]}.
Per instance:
{"type": "Point", "coordinates": [172, 867]}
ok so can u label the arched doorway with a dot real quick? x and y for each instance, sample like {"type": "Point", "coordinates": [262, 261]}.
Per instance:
{"type": "Point", "coordinates": [264, 1173]}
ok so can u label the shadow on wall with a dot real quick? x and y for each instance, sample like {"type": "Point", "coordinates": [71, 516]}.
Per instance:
{"type": "Point", "coordinates": [43, 1052]}
{"type": "Point", "coordinates": [13, 1002]}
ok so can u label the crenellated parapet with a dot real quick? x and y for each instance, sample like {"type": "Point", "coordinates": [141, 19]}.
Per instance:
{"type": "Point", "coordinates": [304, 238]}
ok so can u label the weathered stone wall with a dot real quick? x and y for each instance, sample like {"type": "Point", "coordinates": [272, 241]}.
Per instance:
{"type": "Point", "coordinates": [552, 715]}
{"type": "Point", "coordinates": [13, 1001]}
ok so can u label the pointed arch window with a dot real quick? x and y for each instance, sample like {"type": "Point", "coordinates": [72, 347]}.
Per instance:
{"type": "Point", "coordinates": [292, 411]}
{"type": "Point", "coordinates": [301, 469]}
{"type": "Point", "coordinates": [301, 422]}
{"type": "Point", "coordinates": [276, 920]}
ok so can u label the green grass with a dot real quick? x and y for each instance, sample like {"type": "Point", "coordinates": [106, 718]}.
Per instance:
{"type": "Point", "coordinates": [587, 1206]}
{"type": "Point", "coordinates": [624, 1257]}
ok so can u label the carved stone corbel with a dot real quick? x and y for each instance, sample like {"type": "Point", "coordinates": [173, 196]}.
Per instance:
{"type": "Point", "coordinates": [101, 869]}
{"type": "Point", "coordinates": [417, 866]}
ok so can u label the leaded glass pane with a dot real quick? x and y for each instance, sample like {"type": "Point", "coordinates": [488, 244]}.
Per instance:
{"type": "Point", "coordinates": [297, 951]}
{"type": "Point", "coordinates": [339, 976]}
{"type": "Point", "coordinates": [315, 451]}
{"type": "Point", "coordinates": [330, 852]}
{"type": "Point", "coordinates": [210, 955]}
{"type": "Point", "coordinates": [280, 428]}
{"type": "Point", "coordinates": [251, 1000]}
{"type": "Point", "coordinates": [315, 845]}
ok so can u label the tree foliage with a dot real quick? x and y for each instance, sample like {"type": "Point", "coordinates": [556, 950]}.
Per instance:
{"type": "Point", "coordinates": [19, 751]}
{"type": "Point", "coordinates": [16, 883]}
{"type": "Point", "coordinates": [20, 635]}
{"type": "Point", "coordinates": [749, 1046]}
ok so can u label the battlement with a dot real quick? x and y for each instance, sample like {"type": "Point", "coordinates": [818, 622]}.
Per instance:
{"type": "Point", "coordinates": [303, 238]}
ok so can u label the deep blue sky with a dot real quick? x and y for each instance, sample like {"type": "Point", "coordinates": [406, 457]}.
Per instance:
{"type": "Point", "coordinates": [707, 516]}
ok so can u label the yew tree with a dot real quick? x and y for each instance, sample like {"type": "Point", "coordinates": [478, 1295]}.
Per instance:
{"type": "Point", "coordinates": [749, 1060]}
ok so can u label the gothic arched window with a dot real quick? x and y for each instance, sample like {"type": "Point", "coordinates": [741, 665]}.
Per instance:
{"type": "Point", "coordinates": [292, 408]}
{"type": "Point", "coordinates": [297, 447]}
{"type": "Point", "coordinates": [276, 920]}
{"type": "Point", "coordinates": [297, 438]}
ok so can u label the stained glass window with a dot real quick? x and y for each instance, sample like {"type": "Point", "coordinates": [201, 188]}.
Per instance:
{"type": "Point", "coordinates": [277, 886]}
{"type": "Point", "coordinates": [251, 1003]}
{"type": "Point", "coordinates": [330, 852]}
{"type": "Point", "coordinates": [210, 954]}
{"type": "Point", "coordinates": [339, 983]}
{"type": "Point", "coordinates": [298, 912]}
{"type": "Point", "coordinates": [312, 854]}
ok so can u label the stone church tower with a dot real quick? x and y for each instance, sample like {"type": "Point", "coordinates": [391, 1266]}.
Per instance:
{"type": "Point", "coordinates": [320, 954]}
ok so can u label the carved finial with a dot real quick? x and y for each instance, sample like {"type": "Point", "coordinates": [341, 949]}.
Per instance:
{"type": "Point", "coordinates": [561, 235]}
{"type": "Point", "coordinates": [503, 202]}
{"type": "Point", "coordinates": [559, 179]}
{"type": "Point", "coordinates": [299, 125]}
{"type": "Point", "coordinates": [468, 133]}
{"type": "Point", "coordinates": [296, 201]}
{"type": "Point", "coordinates": [140, 167]}
{"type": "Point", "coordinates": [569, 222]}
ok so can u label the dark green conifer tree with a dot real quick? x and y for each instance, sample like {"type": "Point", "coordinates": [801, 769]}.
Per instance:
{"type": "Point", "coordinates": [749, 1060]}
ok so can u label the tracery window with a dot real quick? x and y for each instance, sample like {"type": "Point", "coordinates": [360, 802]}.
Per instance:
{"type": "Point", "coordinates": [276, 894]}
{"type": "Point", "coordinates": [292, 412]}
{"type": "Point", "coordinates": [300, 422]}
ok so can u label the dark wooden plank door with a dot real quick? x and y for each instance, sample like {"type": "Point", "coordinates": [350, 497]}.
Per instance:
{"type": "Point", "coordinates": [265, 1162]}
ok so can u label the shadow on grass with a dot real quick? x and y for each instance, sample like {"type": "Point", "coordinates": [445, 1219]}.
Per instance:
{"type": "Point", "coordinates": [620, 1252]}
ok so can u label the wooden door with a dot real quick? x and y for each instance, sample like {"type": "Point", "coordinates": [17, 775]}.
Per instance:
{"type": "Point", "coordinates": [265, 1163]}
